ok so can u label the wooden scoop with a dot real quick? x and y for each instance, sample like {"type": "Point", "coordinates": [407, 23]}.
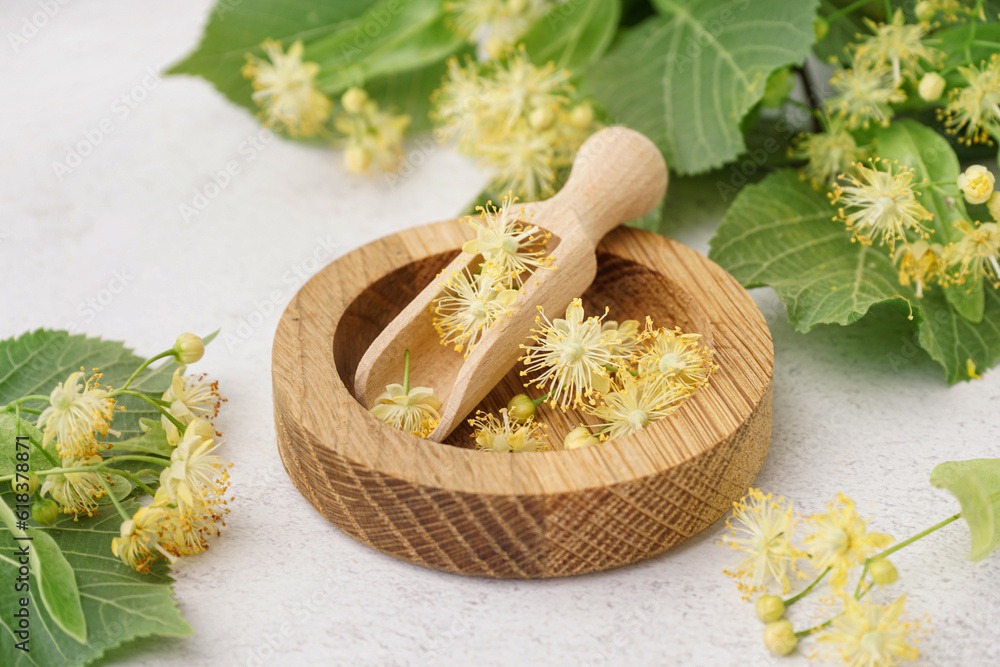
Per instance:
{"type": "Point", "coordinates": [618, 175]}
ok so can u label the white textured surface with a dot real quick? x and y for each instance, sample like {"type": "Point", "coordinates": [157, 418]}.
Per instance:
{"type": "Point", "coordinates": [284, 587]}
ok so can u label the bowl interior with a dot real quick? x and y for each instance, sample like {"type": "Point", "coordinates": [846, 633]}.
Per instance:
{"type": "Point", "coordinates": [628, 289]}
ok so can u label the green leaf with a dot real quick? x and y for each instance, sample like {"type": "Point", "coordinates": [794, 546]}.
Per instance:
{"type": "Point", "coordinates": [574, 33]}
{"type": "Point", "coordinates": [120, 604]}
{"type": "Point", "coordinates": [976, 485]}
{"type": "Point", "coordinates": [9, 430]}
{"type": "Point", "coordinates": [36, 362]}
{"type": "Point", "coordinates": [687, 78]}
{"type": "Point", "coordinates": [152, 441]}
{"type": "Point", "coordinates": [953, 41]}
{"type": "Point", "coordinates": [57, 585]}
{"type": "Point", "coordinates": [234, 29]}
{"type": "Point", "coordinates": [393, 36]}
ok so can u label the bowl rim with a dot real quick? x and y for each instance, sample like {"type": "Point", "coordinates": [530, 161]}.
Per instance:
{"type": "Point", "coordinates": [334, 420]}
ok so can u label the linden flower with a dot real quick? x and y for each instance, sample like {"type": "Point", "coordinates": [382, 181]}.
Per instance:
{"type": "Point", "coordinates": [570, 356]}
{"type": "Point", "coordinates": [190, 398]}
{"type": "Point", "coordinates": [975, 254]}
{"type": "Point", "coordinates": [76, 416]}
{"type": "Point", "coordinates": [138, 543]}
{"type": "Point", "coordinates": [195, 476]}
{"type": "Point", "coordinates": [507, 242]}
{"type": "Point", "coordinates": [974, 109]}
{"type": "Point", "coordinates": [622, 338]}
{"type": "Point", "coordinates": [828, 154]}
{"type": "Point", "coordinates": [374, 136]}
{"type": "Point", "coordinates": [414, 411]}
{"type": "Point", "coordinates": [880, 204]}
{"type": "Point", "coordinates": [920, 263]}
{"type": "Point", "coordinates": [898, 46]}
{"type": "Point", "coordinates": [470, 305]}
{"type": "Point", "coordinates": [508, 435]}
{"type": "Point", "coordinates": [864, 93]}
{"type": "Point", "coordinates": [674, 358]}
{"type": "Point", "coordinates": [976, 183]}
{"type": "Point", "coordinates": [634, 403]}
{"type": "Point", "coordinates": [872, 635]}
{"type": "Point", "coordinates": [525, 162]}
{"type": "Point", "coordinates": [76, 492]}
{"type": "Point", "coordinates": [286, 89]}
{"type": "Point", "coordinates": [495, 24]}
{"type": "Point", "coordinates": [761, 527]}
{"type": "Point", "coordinates": [840, 540]}
{"type": "Point", "coordinates": [187, 534]}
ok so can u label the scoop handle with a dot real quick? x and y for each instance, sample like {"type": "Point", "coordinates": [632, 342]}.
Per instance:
{"type": "Point", "coordinates": [618, 175]}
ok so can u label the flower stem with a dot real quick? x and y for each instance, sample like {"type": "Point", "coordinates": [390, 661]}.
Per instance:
{"type": "Point", "coordinates": [145, 364]}
{"type": "Point", "coordinates": [152, 401]}
{"type": "Point", "coordinates": [406, 372]}
{"type": "Point", "coordinates": [790, 601]}
{"type": "Point", "coordinates": [134, 478]}
{"type": "Point", "coordinates": [905, 543]}
{"type": "Point", "coordinates": [803, 633]}
{"type": "Point", "coordinates": [844, 11]}
{"type": "Point", "coordinates": [538, 401]}
{"type": "Point", "coordinates": [107, 488]}
{"type": "Point", "coordinates": [24, 399]}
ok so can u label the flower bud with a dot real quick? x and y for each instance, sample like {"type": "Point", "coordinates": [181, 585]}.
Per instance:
{"type": "Point", "coordinates": [582, 116]}
{"type": "Point", "coordinates": [925, 10]}
{"type": "Point", "coordinates": [188, 348]}
{"type": "Point", "coordinates": [357, 159]}
{"type": "Point", "coordinates": [883, 572]}
{"type": "Point", "coordinates": [15, 484]}
{"type": "Point", "coordinates": [541, 118]}
{"type": "Point", "coordinates": [769, 608]}
{"type": "Point", "coordinates": [993, 203]}
{"type": "Point", "coordinates": [201, 427]}
{"type": "Point", "coordinates": [820, 28]}
{"type": "Point", "coordinates": [779, 637]}
{"type": "Point", "coordinates": [521, 408]}
{"type": "Point", "coordinates": [977, 183]}
{"type": "Point", "coordinates": [45, 511]}
{"type": "Point", "coordinates": [354, 100]}
{"type": "Point", "coordinates": [931, 86]}
{"type": "Point", "coordinates": [579, 438]}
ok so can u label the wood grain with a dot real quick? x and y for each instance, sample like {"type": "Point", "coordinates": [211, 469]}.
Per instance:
{"type": "Point", "coordinates": [450, 507]}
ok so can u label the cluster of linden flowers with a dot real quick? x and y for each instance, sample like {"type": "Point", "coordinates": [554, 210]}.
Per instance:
{"type": "Point", "coordinates": [837, 543]}
{"type": "Point", "coordinates": [517, 119]}
{"type": "Point", "coordinates": [189, 502]}
{"type": "Point", "coordinates": [894, 59]}
{"type": "Point", "coordinates": [877, 202]}
{"type": "Point", "coordinates": [494, 26]}
{"type": "Point", "coordinates": [286, 90]}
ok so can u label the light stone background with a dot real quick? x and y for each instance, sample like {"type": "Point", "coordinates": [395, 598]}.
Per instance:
{"type": "Point", "coordinates": [854, 411]}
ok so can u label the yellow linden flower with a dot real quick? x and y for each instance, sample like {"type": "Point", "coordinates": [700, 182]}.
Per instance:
{"type": "Point", "coordinates": [76, 492]}
{"type": "Point", "coordinates": [920, 263]}
{"type": "Point", "coordinates": [184, 534]}
{"type": "Point", "coordinates": [286, 89]}
{"type": "Point", "coordinates": [896, 46]}
{"type": "Point", "coordinates": [840, 540]}
{"type": "Point", "coordinates": [469, 306]}
{"type": "Point", "coordinates": [622, 338]}
{"type": "Point", "coordinates": [579, 438]}
{"type": "Point", "coordinates": [880, 204]}
{"type": "Point", "coordinates": [975, 254]}
{"type": "Point", "coordinates": [633, 403]}
{"type": "Point", "coordinates": [864, 93]}
{"type": "Point", "coordinates": [373, 137]}
{"type": "Point", "coordinates": [507, 435]}
{"type": "Point", "coordinates": [976, 184]}
{"type": "Point", "coordinates": [974, 109]}
{"type": "Point", "coordinates": [872, 635]}
{"type": "Point", "coordinates": [570, 357]}
{"type": "Point", "coordinates": [195, 476]}
{"type": "Point", "coordinates": [761, 527]}
{"type": "Point", "coordinates": [138, 543]}
{"type": "Point", "coordinates": [415, 411]}
{"type": "Point", "coordinates": [495, 25]}
{"type": "Point", "coordinates": [674, 358]}
{"type": "Point", "coordinates": [510, 246]}
{"type": "Point", "coordinates": [190, 397]}
{"type": "Point", "coordinates": [828, 154]}
{"type": "Point", "coordinates": [76, 416]}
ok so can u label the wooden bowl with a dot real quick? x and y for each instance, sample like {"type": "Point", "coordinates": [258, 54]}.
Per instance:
{"type": "Point", "coordinates": [548, 514]}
